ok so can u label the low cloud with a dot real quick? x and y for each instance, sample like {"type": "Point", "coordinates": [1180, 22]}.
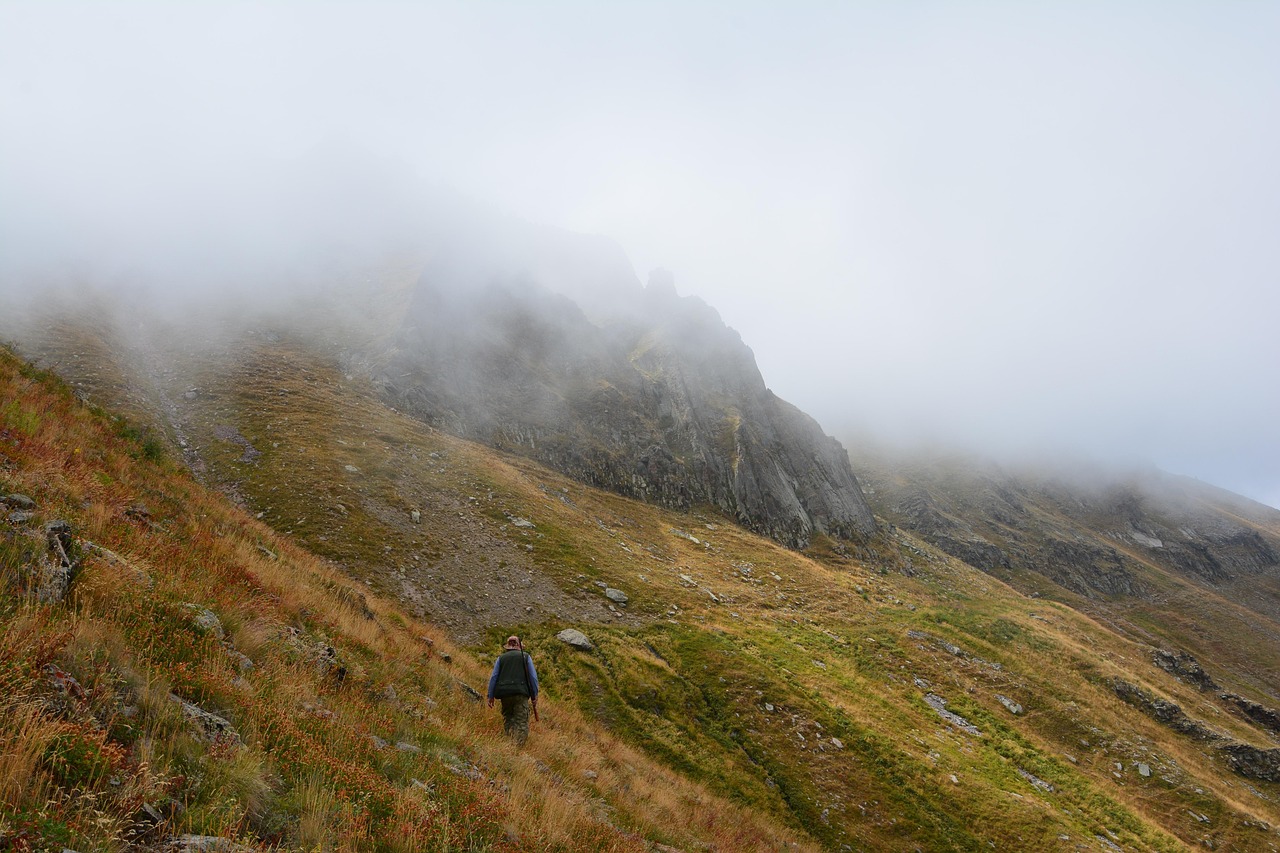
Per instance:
{"type": "Point", "coordinates": [1037, 227]}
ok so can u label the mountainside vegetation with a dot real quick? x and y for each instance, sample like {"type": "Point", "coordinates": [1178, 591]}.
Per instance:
{"type": "Point", "coordinates": [174, 669]}
{"type": "Point", "coordinates": [879, 695]}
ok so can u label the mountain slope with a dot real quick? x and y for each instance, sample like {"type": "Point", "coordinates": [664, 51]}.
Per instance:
{"type": "Point", "coordinates": [806, 688]}
{"type": "Point", "coordinates": [1167, 560]}
{"type": "Point", "coordinates": [169, 666]}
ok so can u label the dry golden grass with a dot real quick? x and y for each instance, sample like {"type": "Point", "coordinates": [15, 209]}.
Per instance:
{"type": "Point", "coordinates": [824, 640]}
{"type": "Point", "coordinates": [306, 768]}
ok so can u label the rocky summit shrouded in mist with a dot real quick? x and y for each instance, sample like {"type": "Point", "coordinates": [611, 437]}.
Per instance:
{"type": "Point", "coordinates": [529, 338]}
{"type": "Point", "coordinates": [653, 397]}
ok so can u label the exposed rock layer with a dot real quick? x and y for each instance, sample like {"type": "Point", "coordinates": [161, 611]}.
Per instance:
{"type": "Point", "coordinates": [655, 399]}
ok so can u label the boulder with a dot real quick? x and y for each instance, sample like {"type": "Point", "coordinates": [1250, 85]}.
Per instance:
{"type": "Point", "coordinates": [576, 639]}
{"type": "Point", "coordinates": [617, 596]}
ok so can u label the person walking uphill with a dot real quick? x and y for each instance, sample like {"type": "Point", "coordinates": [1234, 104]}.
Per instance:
{"type": "Point", "coordinates": [515, 682]}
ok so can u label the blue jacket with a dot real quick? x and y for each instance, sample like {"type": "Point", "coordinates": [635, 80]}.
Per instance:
{"type": "Point", "coordinates": [514, 682]}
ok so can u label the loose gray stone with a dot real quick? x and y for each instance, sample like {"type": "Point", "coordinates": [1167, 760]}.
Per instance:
{"type": "Point", "coordinates": [939, 704]}
{"type": "Point", "coordinates": [206, 844]}
{"type": "Point", "coordinates": [53, 581]}
{"type": "Point", "coordinates": [1144, 770]}
{"type": "Point", "coordinates": [1036, 781]}
{"type": "Point", "coordinates": [209, 726]}
{"type": "Point", "coordinates": [408, 747]}
{"type": "Point", "coordinates": [576, 639]}
{"type": "Point", "coordinates": [616, 595]}
{"type": "Point", "coordinates": [19, 501]}
{"type": "Point", "coordinates": [206, 620]}
{"type": "Point", "coordinates": [1012, 706]}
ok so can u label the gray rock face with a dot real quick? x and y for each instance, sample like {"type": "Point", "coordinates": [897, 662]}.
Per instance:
{"type": "Point", "coordinates": [576, 639]}
{"type": "Point", "coordinates": [652, 397]}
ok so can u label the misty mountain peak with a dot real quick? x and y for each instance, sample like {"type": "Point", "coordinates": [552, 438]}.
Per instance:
{"type": "Point", "coordinates": [652, 398]}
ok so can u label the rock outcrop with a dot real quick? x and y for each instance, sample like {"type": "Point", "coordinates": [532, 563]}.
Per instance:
{"type": "Point", "coordinates": [1184, 667]}
{"type": "Point", "coordinates": [652, 397]}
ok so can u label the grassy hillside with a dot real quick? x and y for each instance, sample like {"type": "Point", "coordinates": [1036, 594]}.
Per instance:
{"type": "Point", "coordinates": [350, 727]}
{"type": "Point", "coordinates": [743, 688]}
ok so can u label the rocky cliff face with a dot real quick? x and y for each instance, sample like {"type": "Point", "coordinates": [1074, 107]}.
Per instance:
{"type": "Point", "coordinates": [651, 396]}
{"type": "Point", "coordinates": [1106, 537]}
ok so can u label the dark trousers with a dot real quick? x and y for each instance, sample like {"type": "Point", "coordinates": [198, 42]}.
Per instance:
{"type": "Point", "coordinates": [515, 718]}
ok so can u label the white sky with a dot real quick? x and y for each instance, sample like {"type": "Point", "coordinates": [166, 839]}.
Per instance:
{"type": "Point", "coordinates": [1011, 224]}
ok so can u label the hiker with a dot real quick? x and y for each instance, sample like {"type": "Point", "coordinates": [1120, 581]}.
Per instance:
{"type": "Point", "coordinates": [515, 682]}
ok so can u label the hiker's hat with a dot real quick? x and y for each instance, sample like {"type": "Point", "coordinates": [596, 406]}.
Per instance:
{"type": "Point", "coordinates": [513, 642]}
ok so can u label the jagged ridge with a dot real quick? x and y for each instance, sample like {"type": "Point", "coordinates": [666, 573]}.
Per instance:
{"type": "Point", "coordinates": [661, 401]}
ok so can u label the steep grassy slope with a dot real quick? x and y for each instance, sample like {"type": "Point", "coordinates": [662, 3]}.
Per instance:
{"type": "Point", "coordinates": [804, 688]}
{"type": "Point", "coordinates": [345, 724]}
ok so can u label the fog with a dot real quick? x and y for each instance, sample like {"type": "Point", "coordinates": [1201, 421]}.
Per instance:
{"type": "Point", "coordinates": [1010, 226]}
